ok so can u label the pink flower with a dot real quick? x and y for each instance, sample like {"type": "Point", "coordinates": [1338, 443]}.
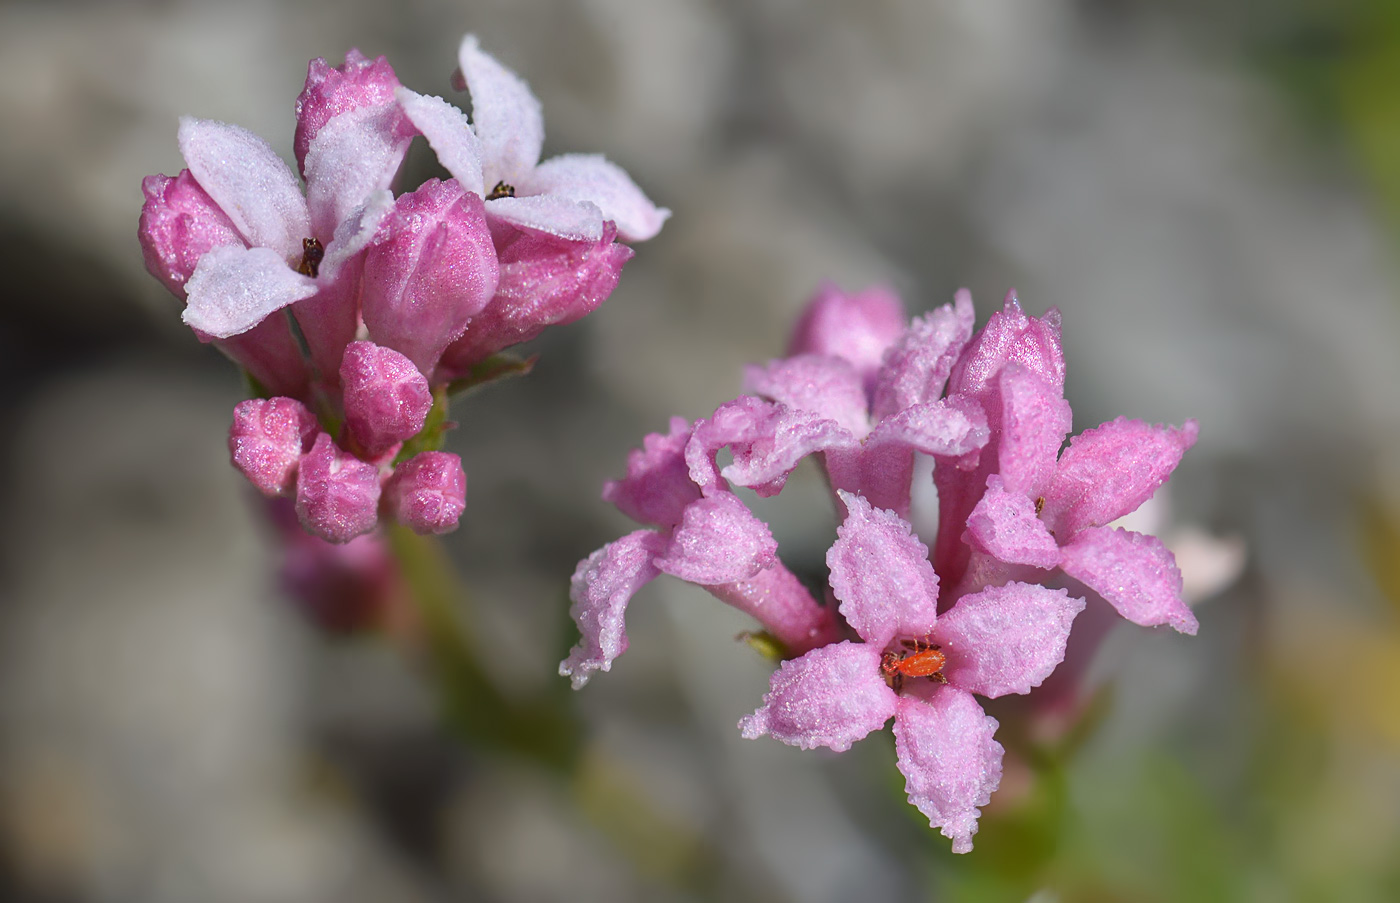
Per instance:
{"type": "Point", "coordinates": [1004, 639]}
{"type": "Point", "coordinates": [497, 156]}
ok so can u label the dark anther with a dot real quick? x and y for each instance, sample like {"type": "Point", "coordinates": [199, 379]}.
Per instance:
{"type": "Point", "coordinates": [311, 254]}
{"type": "Point", "coordinates": [502, 190]}
{"type": "Point", "coordinates": [1039, 505]}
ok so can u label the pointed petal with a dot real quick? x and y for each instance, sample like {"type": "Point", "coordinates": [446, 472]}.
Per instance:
{"type": "Point", "coordinates": [950, 762]}
{"type": "Point", "coordinates": [826, 386]}
{"type": "Point", "coordinates": [1005, 526]}
{"type": "Point", "coordinates": [1034, 422]}
{"type": "Point", "coordinates": [448, 134]}
{"type": "Point", "coordinates": [657, 487]}
{"type": "Point", "coordinates": [881, 574]}
{"type": "Point", "coordinates": [234, 288]}
{"type": "Point", "coordinates": [353, 155]}
{"type": "Point", "coordinates": [568, 219]}
{"type": "Point", "coordinates": [1011, 335]}
{"type": "Point", "coordinates": [832, 697]}
{"type": "Point", "coordinates": [916, 369]}
{"type": "Point", "coordinates": [601, 588]}
{"type": "Point", "coordinates": [1135, 573]}
{"type": "Point", "coordinates": [1110, 470]}
{"type": "Point", "coordinates": [718, 541]}
{"type": "Point", "coordinates": [857, 328]}
{"type": "Point", "coordinates": [505, 113]}
{"type": "Point", "coordinates": [249, 182]}
{"type": "Point", "coordinates": [590, 177]}
{"type": "Point", "coordinates": [1006, 639]}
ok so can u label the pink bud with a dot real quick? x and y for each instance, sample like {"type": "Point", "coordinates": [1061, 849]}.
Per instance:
{"type": "Point", "coordinates": [332, 90]}
{"type": "Point", "coordinates": [428, 492]}
{"type": "Point", "coordinates": [267, 439]}
{"type": "Point", "coordinates": [431, 270]}
{"type": "Point", "coordinates": [545, 281]}
{"type": "Point", "coordinates": [179, 224]}
{"type": "Point", "coordinates": [857, 328]}
{"type": "Point", "coordinates": [386, 398]}
{"type": "Point", "coordinates": [337, 493]}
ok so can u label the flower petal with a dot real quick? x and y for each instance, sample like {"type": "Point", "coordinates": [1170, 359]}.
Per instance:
{"type": "Point", "coordinates": [505, 113]}
{"type": "Point", "coordinates": [249, 182]}
{"type": "Point", "coordinates": [857, 328]}
{"type": "Point", "coordinates": [601, 588]}
{"type": "Point", "coordinates": [881, 574]}
{"type": "Point", "coordinates": [1004, 525]}
{"type": "Point", "coordinates": [946, 427]}
{"type": "Point", "coordinates": [332, 90]}
{"type": "Point", "coordinates": [235, 288]}
{"type": "Point", "coordinates": [657, 487]}
{"type": "Point", "coordinates": [951, 764]}
{"type": "Point", "coordinates": [916, 368]}
{"type": "Point", "coordinates": [1110, 470]}
{"type": "Point", "coordinates": [448, 134]}
{"type": "Point", "coordinates": [355, 232]}
{"type": "Point", "coordinates": [827, 386]}
{"type": "Point", "coordinates": [590, 177]}
{"type": "Point", "coordinates": [353, 155]}
{"type": "Point", "coordinates": [718, 541]}
{"type": "Point", "coordinates": [1035, 418]}
{"type": "Point", "coordinates": [1135, 573]}
{"type": "Point", "coordinates": [768, 440]}
{"type": "Point", "coordinates": [1006, 639]}
{"type": "Point", "coordinates": [568, 219]}
{"type": "Point", "coordinates": [832, 697]}
{"type": "Point", "coordinates": [1010, 335]}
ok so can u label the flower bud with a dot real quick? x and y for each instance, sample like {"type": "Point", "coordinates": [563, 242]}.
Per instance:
{"type": "Point", "coordinates": [428, 492]}
{"type": "Point", "coordinates": [857, 328]}
{"type": "Point", "coordinates": [267, 439]}
{"type": "Point", "coordinates": [386, 398]}
{"type": "Point", "coordinates": [332, 90]}
{"type": "Point", "coordinates": [337, 493]}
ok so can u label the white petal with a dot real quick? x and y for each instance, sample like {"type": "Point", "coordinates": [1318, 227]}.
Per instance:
{"type": "Point", "coordinates": [356, 231]}
{"type": "Point", "coordinates": [249, 182]}
{"type": "Point", "coordinates": [354, 153]}
{"type": "Point", "coordinates": [449, 135]}
{"type": "Point", "coordinates": [505, 113]}
{"type": "Point", "coordinates": [233, 289]}
{"type": "Point", "coordinates": [590, 177]}
{"type": "Point", "coordinates": [572, 220]}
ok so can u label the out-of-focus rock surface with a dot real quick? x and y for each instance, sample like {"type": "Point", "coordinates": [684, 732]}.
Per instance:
{"type": "Point", "coordinates": [170, 730]}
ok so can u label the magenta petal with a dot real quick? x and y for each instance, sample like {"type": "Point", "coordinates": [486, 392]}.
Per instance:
{"type": "Point", "coordinates": [428, 492]}
{"type": "Point", "coordinates": [353, 156]}
{"type": "Point", "coordinates": [332, 90]}
{"type": "Point", "coordinates": [946, 427]}
{"type": "Point", "coordinates": [767, 440]}
{"type": "Point", "coordinates": [832, 697]}
{"type": "Point", "coordinates": [1006, 639]}
{"type": "Point", "coordinates": [267, 439]}
{"type": "Point", "coordinates": [235, 288]}
{"type": "Point", "coordinates": [545, 281]}
{"type": "Point", "coordinates": [432, 268]}
{"type": "Point", "coordinates": [657, 487]}
{"type": "Point", "coordinates": [180, 223]}
{"type": "Point", "coordinates": [1010, 335]}
{"type": "Point", "coordinates": [249, 182]}
{"type": "Point", "coordinates": [601, 588]}
{"type": "Point", "coordinates": [561, 217]}
{"type": "Point", "coordinates": [1135, 573]}
{"type": "Point", "coordinates": [386, 397]}
{"type": "Point", "coordinates": [916, 369]}
{"type": "Point", "coordinates": [590, 177]}
{"type": "Point", "coordinates": [856, 328]}
{"type": "Point", "coordinates": [950, 761]}
{"type": "Point", "coordinates": [1110, 470]}
{"type": "Point", "coordinates": [881, 574]}
{"type": "Point", "coordinates": [1005, 526]}
{"type": "Point", "coordinates": [448, 134]}
{"type": "Point", "coordinates": [1034, 422]}
{"type": "Point", "coordinates": [824, 385]}
{"type": "Point", "coordinates": [718, 541]}
{"type": "Point", "coordinates": [505, 113]}
{"type": "Point", "coordinates": [337, 493]}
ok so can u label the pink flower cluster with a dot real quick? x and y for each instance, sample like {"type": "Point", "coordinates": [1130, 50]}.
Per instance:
{"type": "Point", "coordinates": [919, 633]}
{"type": "Point", "coordinates": [350, 307]}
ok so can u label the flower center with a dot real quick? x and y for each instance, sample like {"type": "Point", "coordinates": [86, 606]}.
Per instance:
{"type": "Point", "coordinates": [311, 254]}
{"type": "Point", "coordinates": [916, 659]}
{"type": "Point", "coordinates": [502, 190]}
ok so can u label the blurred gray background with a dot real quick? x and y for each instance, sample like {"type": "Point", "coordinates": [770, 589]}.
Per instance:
{"type": "Point", "coordinates": [172, 730]}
